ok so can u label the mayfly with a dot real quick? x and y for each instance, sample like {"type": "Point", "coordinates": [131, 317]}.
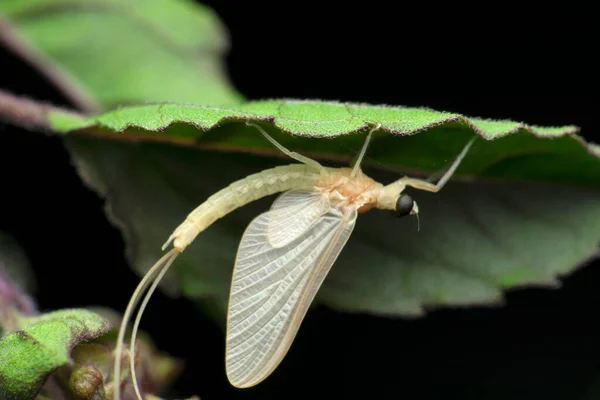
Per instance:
{"type": "Point", "coordinates": [284, 254]}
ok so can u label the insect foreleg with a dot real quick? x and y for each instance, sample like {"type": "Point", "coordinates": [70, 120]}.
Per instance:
{"type": "Point", "coordinates": [430, 187]}
{"type": "Point", "coordinates": [292, 154]}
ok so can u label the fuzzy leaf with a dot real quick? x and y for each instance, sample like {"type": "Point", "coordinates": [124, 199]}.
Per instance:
{"type": "Point", "coordinates": [510, 149]}
{"type": "Point", "coordinates": [29, 355]}
{"type": "Point", "coordinates": [104, 53]}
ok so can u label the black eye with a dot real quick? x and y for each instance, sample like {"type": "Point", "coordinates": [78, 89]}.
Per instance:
{"type": "Point", "coordinates": [404, 205]}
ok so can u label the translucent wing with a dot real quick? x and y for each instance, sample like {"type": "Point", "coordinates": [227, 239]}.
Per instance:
{"type": "Point", "coordinates": [273, 287]}
{"type": "Point", "coordinates": [293, 213]}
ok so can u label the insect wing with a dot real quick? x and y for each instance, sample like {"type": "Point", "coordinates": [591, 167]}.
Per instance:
{"type": "Point", "coordinates": [272, 288]}
{"type": "Point", "coordinates": [293, 213]}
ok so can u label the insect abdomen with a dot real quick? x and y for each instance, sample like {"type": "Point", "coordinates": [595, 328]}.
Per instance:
{"type": "Point", "coordinates": [270, 181]}
{"type": "Point", "coordinates": [240, 193]}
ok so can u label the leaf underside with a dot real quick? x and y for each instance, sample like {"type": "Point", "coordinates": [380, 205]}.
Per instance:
{"type": "Point", "coordinates": [476, 239]}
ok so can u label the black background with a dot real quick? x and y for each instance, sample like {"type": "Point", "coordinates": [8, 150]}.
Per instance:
{"type": "Point", "coordinates": [543, 344]}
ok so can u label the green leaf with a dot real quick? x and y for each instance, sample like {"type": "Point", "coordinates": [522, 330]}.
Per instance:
{"type": "Point", "coordinates": [478, 236]}
{"type": "Point", "coordinates": [28, 356]}
{"type": "Point", "coordinates": [105, 53]}
{"type": "Point", "coordinates": [510, 149]}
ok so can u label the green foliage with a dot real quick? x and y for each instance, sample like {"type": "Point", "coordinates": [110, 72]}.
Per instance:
{"type": "Point", "coordinates": [523, 210]}
{"type": "Point", "coordinates": [111, 52]}
{"type": "Point", "coordinates": [30, 354]}
{"type": "Point", "coordinates": [314, 118]}
{"type": "Point", "coordinates": [510, 149]}
{"type": "Point", "coordinates": [480, 235]}
{"type": "Point", "coordinates": [477, 237]}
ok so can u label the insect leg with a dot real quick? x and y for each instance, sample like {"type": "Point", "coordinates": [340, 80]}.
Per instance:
{"type": "Point", "coordinates": [292, 154]}
{"type": "Point", "coordinates": [430, 187]}
{"type": "Point", "coordinates": [363, 150]}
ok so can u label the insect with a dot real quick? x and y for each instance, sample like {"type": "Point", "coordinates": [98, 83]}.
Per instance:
{"type": "Point", "coordinates": [284, 254]}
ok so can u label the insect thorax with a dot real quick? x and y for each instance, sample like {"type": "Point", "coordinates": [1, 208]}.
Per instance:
{"type": "Point", "coordinates": [359, 191]}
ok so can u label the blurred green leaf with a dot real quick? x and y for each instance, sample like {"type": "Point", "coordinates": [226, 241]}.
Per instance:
{"type": "Point", "coordinates": [104, 53]}
{"type": "Point", "coordinates": [29, 355]}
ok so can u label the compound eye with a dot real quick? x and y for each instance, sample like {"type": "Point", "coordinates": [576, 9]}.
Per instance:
{"type": "Point", "coordinates": [404, 205]}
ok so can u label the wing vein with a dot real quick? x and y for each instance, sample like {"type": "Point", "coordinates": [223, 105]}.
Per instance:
{"type": "Point", "coordinates": [283, 258]}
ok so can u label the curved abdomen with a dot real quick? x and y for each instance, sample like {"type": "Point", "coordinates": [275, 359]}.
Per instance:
{"type": "Point", "coordinates": [240, 193]}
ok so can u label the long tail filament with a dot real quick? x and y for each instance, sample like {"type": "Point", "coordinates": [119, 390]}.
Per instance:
{"type": "Point", "coordinates": [138, 318]}
{"type": "Point", "coordinates": [158, 270]}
